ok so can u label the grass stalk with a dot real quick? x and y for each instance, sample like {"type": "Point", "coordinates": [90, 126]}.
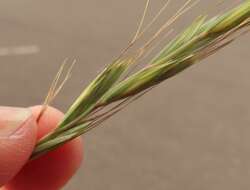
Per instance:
{"type": "Point", "coordinates": [109, 92]}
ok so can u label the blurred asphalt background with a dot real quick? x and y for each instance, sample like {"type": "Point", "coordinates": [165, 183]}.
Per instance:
{"type": "Point", "coordinates": [190, 133]}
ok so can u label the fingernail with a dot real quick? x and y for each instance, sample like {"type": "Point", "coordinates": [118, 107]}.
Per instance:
{"type": "Point", "coordinates": [12, 120]}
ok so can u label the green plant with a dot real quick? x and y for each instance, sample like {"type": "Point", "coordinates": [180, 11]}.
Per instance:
{"type": "Point", "coordinates": [115, 87]}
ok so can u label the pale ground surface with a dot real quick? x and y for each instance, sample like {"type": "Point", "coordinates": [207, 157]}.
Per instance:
{"type": "Point", "coordinates": [192, 133]}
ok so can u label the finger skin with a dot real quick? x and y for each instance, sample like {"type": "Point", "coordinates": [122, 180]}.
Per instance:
{"type": "Point", "coordinates": [15, 149]}
{"type": "Point", "coordinates": [53, 170]}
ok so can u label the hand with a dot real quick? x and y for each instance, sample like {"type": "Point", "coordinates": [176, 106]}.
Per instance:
{"type": "Point", "coordinates": [19, 133]}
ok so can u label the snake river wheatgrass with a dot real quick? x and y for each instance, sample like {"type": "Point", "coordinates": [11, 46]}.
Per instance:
{"type": "Point", "coordinates": [116, 86]}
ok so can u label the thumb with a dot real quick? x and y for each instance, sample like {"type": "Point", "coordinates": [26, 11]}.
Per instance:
{"type": "Point", "coordinates": [17, 140]}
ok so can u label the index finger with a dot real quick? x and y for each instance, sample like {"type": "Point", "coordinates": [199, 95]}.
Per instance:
{"type": "Point", "coordinates": [53, 170]}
